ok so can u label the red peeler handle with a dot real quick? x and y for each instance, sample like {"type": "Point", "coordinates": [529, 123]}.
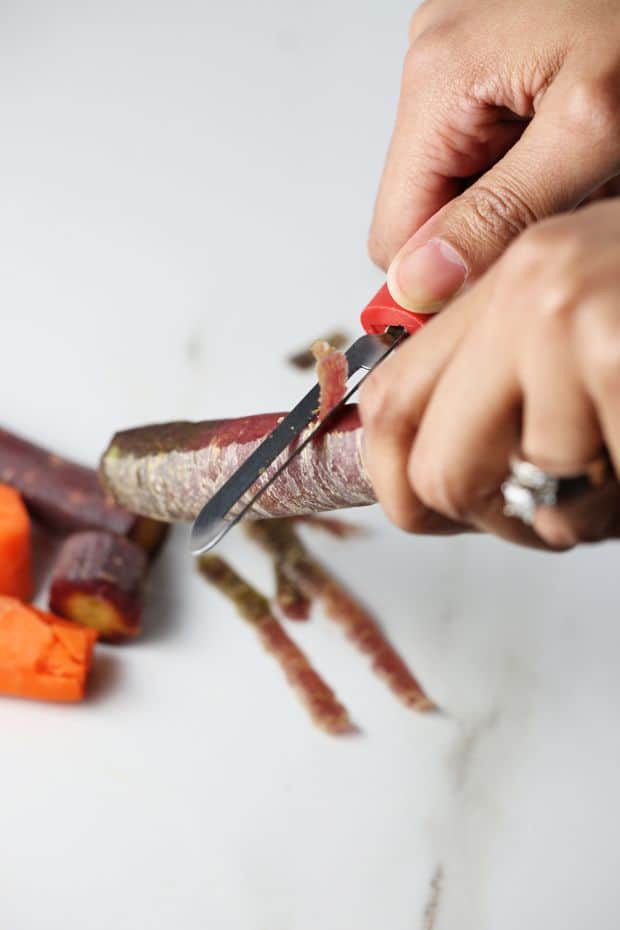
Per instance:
{"type": "Point", "coordinates": [383, 311]}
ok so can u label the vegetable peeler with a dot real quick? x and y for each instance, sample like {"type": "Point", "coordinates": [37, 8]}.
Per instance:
{"type": "Point", "coordinates": [387, 325]}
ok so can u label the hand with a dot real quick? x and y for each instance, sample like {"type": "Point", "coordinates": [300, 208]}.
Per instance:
{"type": "Point", "coordinates": [522, 95]}
{"type": "Point", "coordinates": [527, 359]}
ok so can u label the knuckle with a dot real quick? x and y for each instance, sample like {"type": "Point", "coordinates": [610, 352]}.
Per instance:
{"type": "Point", "coordinates": [562, 282]}
{"type": "Point", "coordinates": [499, 213]}
{"type": "Point", "coordinates": [418, 20]}
{"type": "Point", "coordinates": [428, 45]}
{"type": "Point", "coordinates": [559, 301]}
{"type": "Point", "coordinates": [421, 56]}
{"type": "Point", "coordinates": [602, 356]}
{"type": "Point", "coordinates": [422, 19]}
{"type": "Point", "coordinates": [593, 106]}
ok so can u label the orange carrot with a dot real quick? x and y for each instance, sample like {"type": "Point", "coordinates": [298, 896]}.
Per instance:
{"type": "Point", "coordinates": [41, 656]}
{"type": "Point", "coordinates": [15, 545]}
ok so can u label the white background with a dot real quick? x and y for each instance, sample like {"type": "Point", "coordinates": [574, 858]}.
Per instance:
{"type": "Point", "coordinates": [185, 190]}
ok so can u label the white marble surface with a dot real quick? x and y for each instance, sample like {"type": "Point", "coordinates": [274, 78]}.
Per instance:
{"type": "Point", "coordinates": [185, 190]}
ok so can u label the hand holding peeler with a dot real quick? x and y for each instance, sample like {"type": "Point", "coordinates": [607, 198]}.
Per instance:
{"type": "Point", "coordinates": [387, 325]}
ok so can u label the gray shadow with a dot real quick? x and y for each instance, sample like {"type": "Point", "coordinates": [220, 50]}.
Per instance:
{"type": "Point", "coordinates": [163, 599]}
{"type": "Point", "coordinates": [104, 677]}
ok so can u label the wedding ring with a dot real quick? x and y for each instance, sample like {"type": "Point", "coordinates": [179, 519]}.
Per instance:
{"type": "Point", "coordinates": [529, 487]}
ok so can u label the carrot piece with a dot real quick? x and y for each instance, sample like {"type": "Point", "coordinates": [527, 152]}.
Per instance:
{"type": "Point", "coordinates": [97, 581]}
{"type": "Point", "coordinates": [15, 546]}
{"type": "Point", "coordinates": [65, 497]}
{"type": "Point", "coordinates": [41, 656]}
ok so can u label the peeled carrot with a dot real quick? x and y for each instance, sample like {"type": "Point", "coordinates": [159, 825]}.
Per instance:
{"type": "Point", "coordinates": [168, 471]}
{"type": "Point", "coordinates": [41, 656]}
{"type": "Point", "coordinates": [15, 546]}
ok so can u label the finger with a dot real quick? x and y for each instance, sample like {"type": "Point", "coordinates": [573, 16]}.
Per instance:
{"type": "Point", "coordinates": [392, 402]}
{"type": "Point", "coordinates": [590, 517]}
{"type": "Point", "coordinates": [598, 334]}
{"type": "Point", "coordinates": [560, 431]}
{"type": "Point", "coordinates": [560, 428]}
{"type": "Point", "coordinates": [571, 146]}
{"type": "Point", "coordinates": [471, 426]}
{"type": "Point", "coordinates": [438, 140]}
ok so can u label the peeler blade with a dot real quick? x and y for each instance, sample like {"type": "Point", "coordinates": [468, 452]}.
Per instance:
{"type": "Point", "coordinates": [222, 512]}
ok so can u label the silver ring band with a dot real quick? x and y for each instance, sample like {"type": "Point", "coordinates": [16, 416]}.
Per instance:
{"type": "Point", "coordinates": [529, 487]}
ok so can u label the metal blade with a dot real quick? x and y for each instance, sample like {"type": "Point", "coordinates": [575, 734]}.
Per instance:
{"type": "Point", "coordinates": [215, 519]}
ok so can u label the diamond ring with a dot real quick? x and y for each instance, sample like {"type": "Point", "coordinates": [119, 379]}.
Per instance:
{"type": "Point", "coordinates": [529, 487]}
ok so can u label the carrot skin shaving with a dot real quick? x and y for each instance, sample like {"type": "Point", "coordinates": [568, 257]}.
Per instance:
{"type": "Point", "coordinates": [305, 359]}
{"type": "Point", "coordinates": [332, 371]}
{"type": "Point", "coordinates": [279, 538]}
{"type": "Point", "coordinates": [318, 698]}
{"type": "Point", "coordinates": [292, 602]}
{"type": "Point", "coordinates": [364, 633]}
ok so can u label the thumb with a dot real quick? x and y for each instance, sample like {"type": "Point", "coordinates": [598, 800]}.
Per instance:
{"type": "Point", "coordinates": [567, 151]}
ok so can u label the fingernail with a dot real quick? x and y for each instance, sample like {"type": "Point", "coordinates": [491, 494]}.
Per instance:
{"type": "Point", "coordinates": [425, 278]}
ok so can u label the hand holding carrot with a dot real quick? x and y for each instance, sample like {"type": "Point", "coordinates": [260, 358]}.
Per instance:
{"type": "Point", "coordinates": [527, 358]}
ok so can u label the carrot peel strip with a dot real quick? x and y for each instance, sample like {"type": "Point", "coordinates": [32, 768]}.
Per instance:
{"type": "Point", "coordinates": [318, 698]}
{"type": "Point", "coordinates": [279, 538]}
{"type": "Point", "coordinates": [291, 601]}
{"type": "Point", "coordinates": [332, 372]}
